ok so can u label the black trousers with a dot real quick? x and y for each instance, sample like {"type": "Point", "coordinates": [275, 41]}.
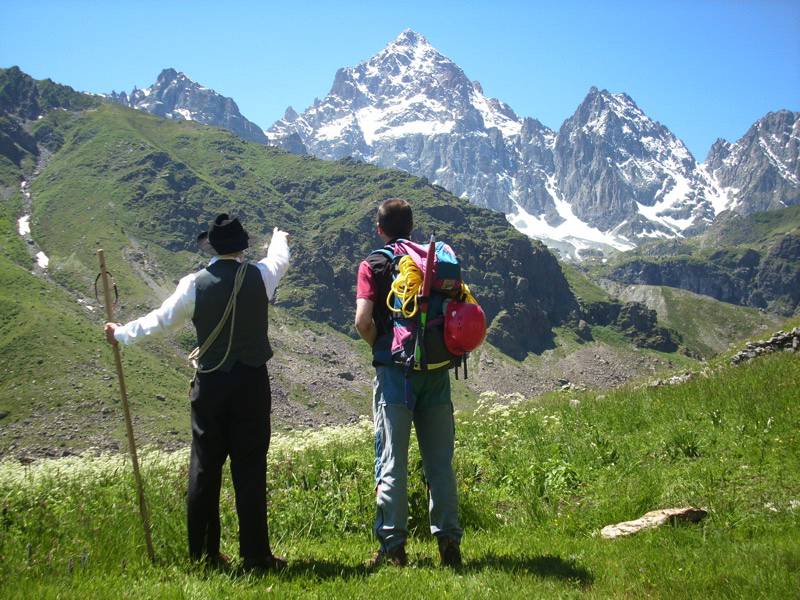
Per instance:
{"type": "Point", "coordinates": [230, 417]}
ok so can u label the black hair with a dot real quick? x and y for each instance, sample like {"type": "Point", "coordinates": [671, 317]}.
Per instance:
{"type": "Point", "coordinates": [395, 218]}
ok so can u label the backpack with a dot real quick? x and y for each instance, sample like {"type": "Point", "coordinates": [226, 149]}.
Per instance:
{"type": "Point", "coordinates": [413, 347]}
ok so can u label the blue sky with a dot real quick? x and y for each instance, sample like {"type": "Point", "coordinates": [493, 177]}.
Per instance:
{"type": "Point", "coordinates": [705, 69]}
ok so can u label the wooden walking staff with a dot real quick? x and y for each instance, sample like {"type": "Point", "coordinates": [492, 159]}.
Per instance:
{"type": "Point", "coordinates": [128, 423]}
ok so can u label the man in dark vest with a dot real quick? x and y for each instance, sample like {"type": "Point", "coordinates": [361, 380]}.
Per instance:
{"type": "Point", "coordinates": [230, 394]}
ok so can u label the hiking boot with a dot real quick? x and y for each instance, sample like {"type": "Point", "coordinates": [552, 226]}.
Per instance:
{"type": "Point", "coordinates": [267, 564]}
{"type": "Point", "coordinates": [395, 557]}
{"type": "Point", "coordinates": [449, 552]}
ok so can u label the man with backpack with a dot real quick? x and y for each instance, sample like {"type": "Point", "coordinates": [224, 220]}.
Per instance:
{"type": "Point", "coordinates": [230, 394]}
{"type": "Point", "coordinates": [404, 394]}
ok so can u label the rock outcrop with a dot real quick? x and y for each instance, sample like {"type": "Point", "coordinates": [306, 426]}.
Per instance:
{"type": "Point", "coordinates": [787, 341]}
{"type": "Point", "coordinates": [635, 321]}
{"type": "Point", "coordinates": [654, 518]}
{"type": "Point", "coordinates": [762, 279]}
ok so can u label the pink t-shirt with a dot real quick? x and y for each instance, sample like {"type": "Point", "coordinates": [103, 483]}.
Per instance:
{"type": "Point", "coordinates": [365, 282]}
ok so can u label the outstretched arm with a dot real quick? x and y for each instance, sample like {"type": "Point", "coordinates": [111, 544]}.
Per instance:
{"type": "Point", "coordinates": [275, 264]}
{"type": "Point", "coordinates": [173, 312]}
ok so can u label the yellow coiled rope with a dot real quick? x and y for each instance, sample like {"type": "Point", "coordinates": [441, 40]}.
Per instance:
{"type": "Point", "coordinates": [406, 287]}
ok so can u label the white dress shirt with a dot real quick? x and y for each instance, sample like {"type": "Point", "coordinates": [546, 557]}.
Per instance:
{"type": "Point", "coordinates": [179, 307]}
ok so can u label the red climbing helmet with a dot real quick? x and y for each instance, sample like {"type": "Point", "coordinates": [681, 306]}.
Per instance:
{"type": "Point", "coordinates": [464, 327]}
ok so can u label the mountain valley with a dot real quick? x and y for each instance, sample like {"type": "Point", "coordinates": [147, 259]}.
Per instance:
{"type": "Point", "coordinates": [141, 187]}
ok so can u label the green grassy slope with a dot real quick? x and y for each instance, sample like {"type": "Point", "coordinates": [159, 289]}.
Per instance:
{"type": "Point", "coordinates": [585, 289]}
{"type": "Point", "coordinates": [59, 373]}
{"type": "Point", "coordinates": [26, 97]}
{"type": "Point", "coordinates": [731, 231]}
{"type": "Point", "coordinates": [751, 261]}
{"type": "Point", "coordinates": [24, 100]}
{"type": "Point", "coordinates": [758, 231]}
{"type": "Point", "coordinates": [11, 246]}
{"type": "Point", "coordinates": [537, 481]}
{"type": "Point", "coordinates": [707, 326]}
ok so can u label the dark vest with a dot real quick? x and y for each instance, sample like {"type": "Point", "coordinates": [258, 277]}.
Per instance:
{"type": "Point", "coordinates": [250, 346]}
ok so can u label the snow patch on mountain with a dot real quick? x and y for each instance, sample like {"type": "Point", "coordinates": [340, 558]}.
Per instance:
{"type": "Point", "coordinates": [679, 189]}
{"type": "Point", "coordinates": [571, 235]}
{"type": "Point", "coordinates": [24, 225]}
{"type": "Point", "coordinates": [718, 196]}
{"type": "Point", "coordinates": [493, 114]}
{"type": "Point", "coordinates": [185, 113]}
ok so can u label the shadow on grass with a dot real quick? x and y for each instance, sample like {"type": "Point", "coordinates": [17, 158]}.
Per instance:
{"type": "Point", "coordinates": [312, 569]}
{"type": "Point", "coordinates": [553, 567]}
{"type": "Point", "coordinates": [324, 569]}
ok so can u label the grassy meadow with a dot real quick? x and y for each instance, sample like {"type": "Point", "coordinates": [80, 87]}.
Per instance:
{"type": "Point", "coordinates": [538, 480]}
{"type": "Point", "coordinates": [706, 326]}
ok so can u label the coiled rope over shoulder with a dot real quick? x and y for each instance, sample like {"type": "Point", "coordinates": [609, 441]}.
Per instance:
{"type": "Point", "coordinates": [406, 287]}
{"type": "Point", "coordinates": [230, 309]}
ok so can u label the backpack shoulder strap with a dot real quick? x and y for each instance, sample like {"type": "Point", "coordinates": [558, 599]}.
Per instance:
{"type": "Point", "coordinates": [389, 250]}
{"type": "Point", "coordinates": [383, 251]}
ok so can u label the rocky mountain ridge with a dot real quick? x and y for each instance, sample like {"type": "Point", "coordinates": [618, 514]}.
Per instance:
{"type": "Point", "coordinates": [502, 265]}
{"type": "Point", "coordinates": [141, 187]}
{"type": "Point", "coordinates": [175, 96]}
{"type": "Point", "coordinates": [611, 177]}
{"type": "Point", "coordinates": [761, 171]}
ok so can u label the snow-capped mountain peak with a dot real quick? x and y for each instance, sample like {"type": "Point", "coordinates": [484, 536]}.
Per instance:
{"type": "Point", "coordinates": [602, 108]}
{"type": "Point", "coordinates": [175, 96]}
{"type": "Point", "coordinates": [410, 44]}
{"type": "Point", "coordinates": [624, 172]}
{"type": "Point", "coordinates": [609, 178]}
{"type": "Point", "coordinates": [408, 88]}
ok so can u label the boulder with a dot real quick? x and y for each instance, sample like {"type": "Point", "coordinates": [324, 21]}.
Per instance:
{"type": "Point", "coordinates": [654, 518]}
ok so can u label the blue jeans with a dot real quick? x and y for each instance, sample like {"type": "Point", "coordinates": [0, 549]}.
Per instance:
{"type": "Point", "coordinates": [432, 416]}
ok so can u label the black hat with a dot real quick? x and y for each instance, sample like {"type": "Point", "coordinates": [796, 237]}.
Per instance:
{"type": "Point", "coordinates": [227, 235]}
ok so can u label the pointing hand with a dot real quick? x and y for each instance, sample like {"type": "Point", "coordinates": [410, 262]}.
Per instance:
{"type": "Point", "coordinates": [109, 330]}
{"type": "Point", "coordinates": [276, 233]}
